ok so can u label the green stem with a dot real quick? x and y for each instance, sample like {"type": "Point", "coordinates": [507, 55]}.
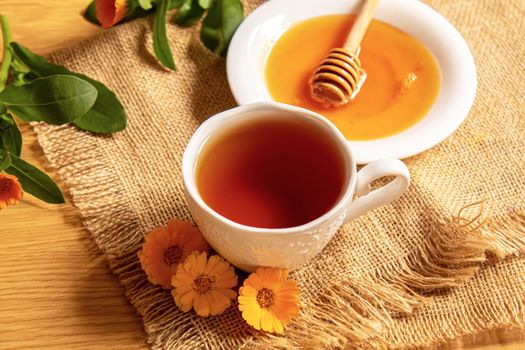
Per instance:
{"type": "Point", "coordinates": [8, 55]}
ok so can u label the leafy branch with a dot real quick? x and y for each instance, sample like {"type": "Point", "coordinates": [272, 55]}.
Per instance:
{"type": "Point", "coordinates": [221, 19]}
{"type": "Point", "coordinates": [32, 89]}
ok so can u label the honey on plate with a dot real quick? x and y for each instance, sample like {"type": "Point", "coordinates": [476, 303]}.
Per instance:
{"type": "Point", "coordinates": [403, 77]}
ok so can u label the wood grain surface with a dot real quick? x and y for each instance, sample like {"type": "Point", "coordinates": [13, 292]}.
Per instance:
{"type": "Point", "coordinates": [55, 290]}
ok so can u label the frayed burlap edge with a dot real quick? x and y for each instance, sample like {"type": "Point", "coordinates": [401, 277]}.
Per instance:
{"type": "Point", "coordinates": [452, 253]}
{"type": "Point", "coordinates": [88, 175]}
{"type": "Point", "coordinates": [352, 314]}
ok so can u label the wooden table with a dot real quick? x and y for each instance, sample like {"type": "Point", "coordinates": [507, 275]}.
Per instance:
{"type": "Point", "coordinates": [55, 291]}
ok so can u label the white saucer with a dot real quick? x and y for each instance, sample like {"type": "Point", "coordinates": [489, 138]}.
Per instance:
{"type": "Point", "coordinates": [255, 37]}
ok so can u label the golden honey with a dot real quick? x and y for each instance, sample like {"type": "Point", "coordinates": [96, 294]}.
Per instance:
{"type": "Point", "coordinates": [403, 77]}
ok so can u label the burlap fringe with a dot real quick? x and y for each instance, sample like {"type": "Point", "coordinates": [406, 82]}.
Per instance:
{"type": "Point", "coordinates": [166, 326]}
{"type": "Point", "coordinates": [343, 316]}
{"type": "Point", "coordinates": [101, 197]}
{"type": "Point", "coordinates": [107, 211]}
{"type": "Point", "coordinates": [346, 315]}
{"type": "Point", "coordinates": [155, 306]}
{"type": "Point", "coordinates": [508, 234]}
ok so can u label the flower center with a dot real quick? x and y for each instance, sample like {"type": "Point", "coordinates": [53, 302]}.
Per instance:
{"type": "Point", "coordinates": [265, 297]}
{"type": "Point", "coordinates": [5, 185]}
{"type": "Point", "coordinates": [202, 284]}
{"type": "Point", "coordinates": [172, 255]}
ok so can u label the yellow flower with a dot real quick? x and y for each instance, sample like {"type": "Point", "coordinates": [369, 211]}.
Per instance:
{"type": "Point", "coordinates": [110, 12]}
{"type": "Point", "coordinates": [268, 300]}
{"type": "Point", "coordinates": [204, 284]}
{"type": "Point", "coordinates": [10, 190]}
{"type": "Point", "coordinates": [163, 249]}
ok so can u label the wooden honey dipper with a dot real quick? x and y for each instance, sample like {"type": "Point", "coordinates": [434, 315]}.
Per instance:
{"type": "Point", "coordinates": [340, 75]}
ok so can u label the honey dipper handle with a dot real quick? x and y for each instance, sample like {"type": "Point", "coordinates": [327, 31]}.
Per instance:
{"type": "Point", "coordinates": [353, 40]}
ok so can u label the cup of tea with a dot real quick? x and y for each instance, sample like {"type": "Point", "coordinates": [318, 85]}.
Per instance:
{"type": "Point", "coordinates": [269, 184]}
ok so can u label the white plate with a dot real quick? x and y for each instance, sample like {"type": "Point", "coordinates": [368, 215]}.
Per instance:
{"type": "Point", "coordinates": [255, 37]}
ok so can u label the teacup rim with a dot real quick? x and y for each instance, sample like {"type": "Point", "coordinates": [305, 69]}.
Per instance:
{"type": "Point", "coordinates": [190, 156]}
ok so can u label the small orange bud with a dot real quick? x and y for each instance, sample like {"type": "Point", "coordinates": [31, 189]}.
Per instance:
{"type": "Point", "coordinates": [10, 190]}
{"type": "Point", "coordinates": [110, 12]}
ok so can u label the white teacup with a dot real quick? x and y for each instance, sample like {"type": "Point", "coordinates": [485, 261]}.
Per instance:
{"type": "Point", "coordinates": [249, 247]}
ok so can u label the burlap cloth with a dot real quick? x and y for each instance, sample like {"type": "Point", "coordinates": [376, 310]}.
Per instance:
{"type": "Point", "coordinates": [413, 273]}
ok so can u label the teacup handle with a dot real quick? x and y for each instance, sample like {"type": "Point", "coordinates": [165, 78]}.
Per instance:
{"type": "Point", "coordinates": [369, 200]}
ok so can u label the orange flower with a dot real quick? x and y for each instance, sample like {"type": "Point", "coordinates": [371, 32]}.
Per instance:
{"type": "Point", "coordinates": [10, 190]}
{"type": "Point", "coordinates": [268, 300]}
{"type": "Point", "coordinates": [163, 249]}
{"type": "Point", "coordinates": [204, 284]}
{"type": "Point", "coordinates": [110, 12]}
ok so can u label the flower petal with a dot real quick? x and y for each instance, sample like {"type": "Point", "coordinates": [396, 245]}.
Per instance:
{"type": "Point", "coordinates": [184, 288]}
{"type": "Point", "coordinates": [266, 320]}
{"type": "Point", "coordinates": [248, 291]}
{"type": "Point", "coordinates": [218, 302]}
{"type": "Point", "coordinates": [178, 230]}
{"type": "Point", "coordinates": [214, 301]}
{"type": "Point", "coordinates": [200, 263]}
{"type": "Point", "coordinates": [187, 236]}
{"type": "Point", "coordinates": [270, 277]}
{"type": "Point", "coordinates": [181, 278]}
{"type": "Point", "coordinates": [230, 293]}
{"type": "Point", "coordinates": [190, 262]}
{"type": "Point", "coordinates": [288, 286]}
{"type": "Point", "coordinates": [222, 267]}
{"type": "Point", "coordinates": [277, 325]}
{"type": "Point", "coordinates": [227, 281]}
{"type": "Point", "coordinates": [284, 313]}
{"type": "Point", "coordinates": [255, 281]}
{"type": "Point", "coordinates": [246, 300]}
{"type": "Point", "coordinates": [252, 316]}
{"type": "Point", "coordinates": [213, 261]}
{"type": "Point", "coordinates": [156, 237]}
{"type": "Point", "coordinates": [201, 305]}
{"type": "Point", "coordinates": [183, 300]}
{"type": "Point", "coordinates": [198, 244]}
{"type": "Point", "coordinates": [110, 12]}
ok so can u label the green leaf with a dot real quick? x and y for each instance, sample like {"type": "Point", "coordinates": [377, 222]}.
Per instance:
{"type": "Point", "coordinates": [221, 21]}
{"type": "Point", "coordinates": [146, 4]}
{"type": "Point", "coordinates": [189, 13]}
{"type": "Point", "coordinates": [161, 44]}
{"type": "Point", "coordinates": [5, 160]}
{"type": "Point", "coordinates": [107, 114]}
{"type": "Point", "coordinates": [34, 181]}
{"type": "Point", "coordinates": [175, 4]}
{"type": "Point", "coordinates": [205, 4]}
{"type": "Point", "coordinates": [21, 73]}
{"type": "Point", "coordinates": [21, 79]}
{"type": "Point", "coordinates": [90, 14]}
{"type": "Point", "coordinates": [19, 67]}
{"type": "Point", "coordinates": [4, 116]}
{"type": "Point", "coordinates": [57, 99]}
{"type": "Point", "coordinates": [10, 136]}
